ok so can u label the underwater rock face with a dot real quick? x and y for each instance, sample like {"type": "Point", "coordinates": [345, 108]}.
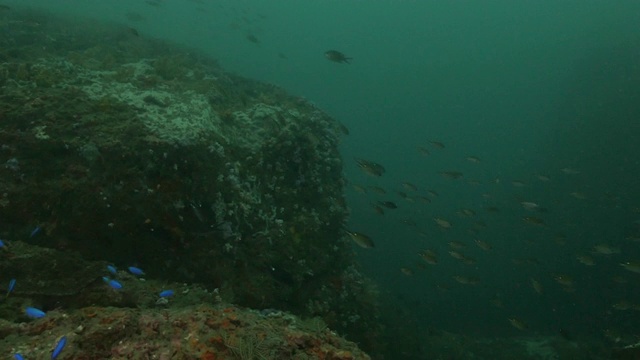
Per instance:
{"type": "Point", "coordinates": [138, 153]}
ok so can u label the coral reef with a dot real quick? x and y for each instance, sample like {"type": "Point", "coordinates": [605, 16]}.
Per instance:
{"type": "Point", "coordinates": [133, 151]}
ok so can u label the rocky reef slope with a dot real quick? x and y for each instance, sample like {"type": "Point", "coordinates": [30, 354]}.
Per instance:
{"type": "Point", "coordinates": [135, 152]}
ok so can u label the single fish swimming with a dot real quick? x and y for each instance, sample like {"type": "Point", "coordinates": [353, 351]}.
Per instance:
{"type": "Point", "coordinates": [337, 56]}
{"type": "Point", "coordinates": [59, 346]}
{"type": "Point", "coordinates": [136, 271]}
{"type": "Point", "coordinates": [12, 285]}
{"type": "Point", "coordinates": [34, 313]}
{"type": "Point", "coordinates": [166, 293]}
{"type": "Point", "coordinates": [361, 239]}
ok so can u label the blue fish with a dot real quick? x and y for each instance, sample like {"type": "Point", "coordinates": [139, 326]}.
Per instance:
{"type": "Point", "coordinates": [136, 271]}
{"type": "Point", "coordinates": [166, 293]}
{"type": "Point", "coordinates": [35, 231]}
{"type": "Point", "coordinates": [18, 356]}
{"type": "Point", "coordinates": [12, 285]}
{"type": "Point", "coordinates": [34, 313]}
{"type": "Point", "coordinates": [2, 244]}
{"type": "Point", "coordinates": [114, 284]}
{"type": "Point", "coordinates": [112, 269]}
{"type": "Point", "coordinates": [59, 346]}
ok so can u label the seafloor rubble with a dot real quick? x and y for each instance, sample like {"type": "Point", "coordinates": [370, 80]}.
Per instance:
{"type": "Point", "coordinates": [134, 152]}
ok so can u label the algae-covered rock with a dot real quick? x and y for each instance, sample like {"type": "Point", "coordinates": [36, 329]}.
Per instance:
{"type": "Point", "coordinates": [135, 152]}
{"type": "Point", "coordinates": [47, 272]}
{"type": "Point", "coordinates": [196, 332]}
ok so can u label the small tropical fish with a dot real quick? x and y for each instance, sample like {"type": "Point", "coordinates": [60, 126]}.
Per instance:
{"type": "Point", "coordinates": [468, 260]}
{"type": "Point", "coordinates": [479, 224]}
{"type": "Point", "coordinates": [570, 171]}
{"type": "Point", "coordinates": [166, 293]}
{"type": "Point", "coordinates": [371, 168]}
{"type": "Point", "coordinates": [12, 285]}
{"type": "Point", "coordinates": [533, 220]}
{"type": "Point", "coordinates": [2, 245]}
{"type": "Point", "coordinates": [606, 249]}
{"type": "Point", "coordinates": [135, 271]}
{"type": "Point", "coordinates": [466, 212]}
{"type": "Point", "coordinates": [451, 174]}
{"type": "Point", "coordinates": [133, 31]}
{"type": "Point", "coordinates": [526, 261]}
{"type": "Point", "coordinates": [560, 239]}
{"type": "Point", "coordinates": [537, 287]}
{"type": "Point", "coordinates": [437, 144]}
{"type": "Point", "coordinates": [429, 256]}
{"type": "Point", "coordinates": [252, 38]}
{"type": "Point", "coordinates": [483, 245]}
{"type": "Point", "coordinates": [361, 239]}
{"type": "Point", "coordinates": [388, 204]}
{"type": "Point", "coordinates": [464, 280]}
{"type": "Point", "coordinates": [406, 271]}
{"type": "Point", "coordinates": [578, 195]}
{"type": "Point", "coordinates": [336, 56]}
{"type": "Point", "coordinates": [409, 186]}
{"type": "Point", "coordinates": [377, 209]}
{"type": "Point", "coordinates": [564, 280]}
{"type": "Point", "coordinates": [34, 313]}
{"type": "Point", "coordinates": [59, 346]}
{"type": "Point", "coordinates": [528, 205]}
{"type": "Point", "coordinates": [518, 324]}
{"type": "Point", "coordinates": [633, 266]}
{"type": "Point", "coordinates": [378, 190]}
{"type": "Point", "coordinates": [622, 305]}
{"type": "Point", "coordinates": [114, 284]}
{"type": "Point", "coordinates": [344, 129]}
{"type": "Point", "coordinates": [424, 199]}
{"type": "Point", "coordinates": [497, 301]}
{"type": "Point", "coordinates": [359, 188]}
{"type": "Point", "coordinates": [443, 223]}
{"type": "Point", "coordinates": [408, 222]}
{"type": "Point", "coordinates": [18, 356]}
{"type": "Point", "coordinates": [35, 231]}
{"type": "Point", "coordinates": [634, 238]}
{"type": "Point", "coordinates": [423, 150]}
{"type": "Point", "coordinates": [473, 159]}
{"type": "Point", "coordinates": [585, 259]}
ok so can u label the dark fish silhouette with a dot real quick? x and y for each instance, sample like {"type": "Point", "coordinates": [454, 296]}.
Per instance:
{"type": "Point", "coordinates": [388, 204]}
{"type": "Point", "coordinates": [336, 56]}
{"type": "Point", "coordinates": [252, 38]}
